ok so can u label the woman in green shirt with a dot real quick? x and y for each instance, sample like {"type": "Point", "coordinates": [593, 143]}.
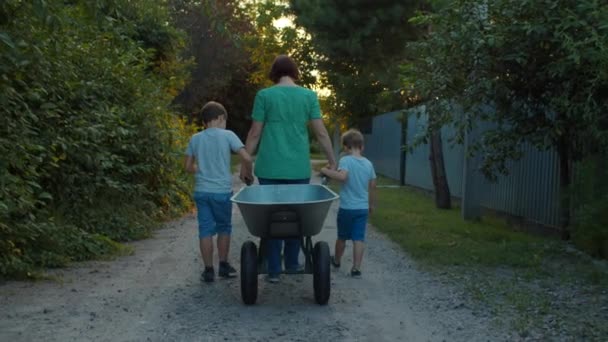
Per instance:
{"type": "Point", "coordinates": [281, 114]}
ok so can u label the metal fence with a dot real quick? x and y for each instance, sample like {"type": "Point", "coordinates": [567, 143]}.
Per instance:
{"type": "Point", "coordinates": [383, 146]}
{"type": "Point", "coordinates": [530, 190]}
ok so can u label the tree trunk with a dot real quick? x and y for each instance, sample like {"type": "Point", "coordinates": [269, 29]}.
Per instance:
{"type": "Point", "coordinates": [443, 199]}
{"type": "Point", "coordinates": [565, 177]}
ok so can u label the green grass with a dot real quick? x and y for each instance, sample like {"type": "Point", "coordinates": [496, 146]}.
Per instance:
{"type": "Point", "coordinates": [441, 237]}
{"type": "Point", "coordinates": [385, 181]}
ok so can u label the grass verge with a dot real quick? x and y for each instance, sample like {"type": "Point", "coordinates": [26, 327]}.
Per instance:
{"type": "Point", "coordinates": [540, 287]}
{"type": "Point", "coordinates": [441, 237]}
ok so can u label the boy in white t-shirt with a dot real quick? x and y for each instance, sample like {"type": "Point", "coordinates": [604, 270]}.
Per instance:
{"type": "Point", "coordinates": [208, 158]}
{"type": "Point", "coordinates": [357, 198]}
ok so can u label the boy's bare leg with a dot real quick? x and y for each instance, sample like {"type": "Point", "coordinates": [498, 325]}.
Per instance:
{"type": "Point", "coordinates": [339, 250]}
{"type": "Point", "coordinates": [358, 248]}
{"type": "Point", "coordinates": [223, 246]}
{"type": "Point", "coordinates": [206, 246]}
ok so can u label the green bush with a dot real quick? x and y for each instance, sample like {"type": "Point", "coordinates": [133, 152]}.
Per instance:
{"type": "Point", "coordinates": [89, 150]}
{"type": "Point", "coordinates": [591, 232]}
{"type": "Point", "coordinates": [590, 194]}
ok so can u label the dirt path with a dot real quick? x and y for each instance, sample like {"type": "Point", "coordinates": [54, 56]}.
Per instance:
{"type": "Point", "coordinates": [156, 295]}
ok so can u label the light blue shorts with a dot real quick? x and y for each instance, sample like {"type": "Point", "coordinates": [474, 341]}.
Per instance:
{"type": "Point", "coordinates": [352, 224]}
{"type": "Point", "coordinates": [214, 213]}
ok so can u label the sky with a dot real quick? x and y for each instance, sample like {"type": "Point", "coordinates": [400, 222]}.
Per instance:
{"type": "Point", "coordinates": [284, 22]}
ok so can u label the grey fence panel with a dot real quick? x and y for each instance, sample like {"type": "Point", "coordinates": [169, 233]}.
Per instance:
{"type": "Point", "coordinates": [530, 190]}
{"type": "Point", "coordinates": [383, 145]}
{"type": "Point", "coordinates": [417, 164]}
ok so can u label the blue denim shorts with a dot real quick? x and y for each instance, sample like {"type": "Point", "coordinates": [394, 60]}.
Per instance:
{"type": "Point", "coordinates": [352, 224]}
{"type": "Point", "coordinates": [214, 213]}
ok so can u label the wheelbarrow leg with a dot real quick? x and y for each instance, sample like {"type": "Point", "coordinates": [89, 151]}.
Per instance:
{"type": "Point", "coordinates": [262, 257]}
{"type": "Point", "coordinates": [306, 244]}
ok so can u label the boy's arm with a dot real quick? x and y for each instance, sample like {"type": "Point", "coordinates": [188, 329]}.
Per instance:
{"type": "Point", "coordinates": [372, 195]}
{"type": "Point", "coordinates": [341, 175]}
{"type": "Point", "coordinates": [245, 157]}
{"type": "Point", "coordinates": [190, 164]}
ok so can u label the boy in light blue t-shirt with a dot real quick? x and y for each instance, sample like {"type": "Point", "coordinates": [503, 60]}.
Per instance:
{"type": "Point", "coordinates": [208, 158]}
{"type": "Point", "coordinates": [357, 198]}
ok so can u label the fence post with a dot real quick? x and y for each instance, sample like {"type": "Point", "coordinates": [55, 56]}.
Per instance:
{"type": "Point", "coordinates": [470, 206]}
{"type": "Point", "coordinates": [403, 154]}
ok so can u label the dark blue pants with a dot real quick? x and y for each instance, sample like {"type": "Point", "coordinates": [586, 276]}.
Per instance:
{"type": "Point", "coordinates": [292, 246]}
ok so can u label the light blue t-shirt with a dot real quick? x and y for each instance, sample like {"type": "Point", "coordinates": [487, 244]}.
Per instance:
{"type": "Point", "coordinates": [354, 193]}
{"type": "Point", "coordinates": [211, 149]}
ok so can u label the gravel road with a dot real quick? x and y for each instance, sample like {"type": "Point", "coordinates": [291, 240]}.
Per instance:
{"type": "Point", "coordinates": [156, 295]}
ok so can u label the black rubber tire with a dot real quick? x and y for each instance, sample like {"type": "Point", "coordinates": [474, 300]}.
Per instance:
{"type": "Point", "coordinates": [249, 272]}
{"type": "Point", "coordinates": [321, 272]}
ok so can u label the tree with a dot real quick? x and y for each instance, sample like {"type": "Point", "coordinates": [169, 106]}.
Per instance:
{"type": "Point", "coordinates": [443, 199]}
{"type": "Point", "coordinates": [221, 64]}
{"type": "Point", "coordinates": [538, 70]}
{"type": "Point", "coordinates": [233, 43]}
{"type": "Point", "coordinates": [357, 58]}
{"type": "Point", "coordinates": [361, 46]}
{"type": "Point", "coordinates": [88, 143]}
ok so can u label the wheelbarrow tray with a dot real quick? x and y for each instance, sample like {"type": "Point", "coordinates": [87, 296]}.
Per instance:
{"type": "Point", "coordinates": [310, 202]}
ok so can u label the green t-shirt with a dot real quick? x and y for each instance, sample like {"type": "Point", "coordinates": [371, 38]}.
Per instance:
{"type": "Point", "coordinates": [284, 151]}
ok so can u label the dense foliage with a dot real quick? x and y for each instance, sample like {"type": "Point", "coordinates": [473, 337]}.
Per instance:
{"type": "Point", "coordinates": [590, 204]}
{"type": "Point", "coordinates": [233, 44]}
{"type": "Point", "coordinates": [536, 70]}
{"type": "Point", "coordinates": [88, 145]}
{"type": "Point", "coordinates": [541, 66]}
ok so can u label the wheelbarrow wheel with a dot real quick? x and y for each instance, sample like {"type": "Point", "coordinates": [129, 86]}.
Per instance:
{"type": "Point", "coordinates": [321, 273]}
{"type": "Point", "coordinates": [249, 273]}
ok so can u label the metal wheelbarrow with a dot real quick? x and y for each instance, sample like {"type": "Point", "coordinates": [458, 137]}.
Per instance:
{"type": "Point", "coordinates": [281, 212]}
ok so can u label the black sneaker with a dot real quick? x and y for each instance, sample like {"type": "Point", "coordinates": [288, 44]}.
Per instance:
{"type": "Point", "coordinates": [334, 263]}
{"type": "Point", "coordinates": [226, 271]}
{"type": "Point", "coordinates": [355, 273]}
{"type": "Point", "coordinates": [208, 275]}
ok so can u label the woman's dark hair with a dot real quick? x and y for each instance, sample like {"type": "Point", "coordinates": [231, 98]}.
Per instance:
{"type": "Point", "coordinates": [283, 65]}
{"type": "Point", "coordinates": [211, 111]}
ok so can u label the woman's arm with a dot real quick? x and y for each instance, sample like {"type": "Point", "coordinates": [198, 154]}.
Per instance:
{"type": "Point", "coordinates": [323, 138]}
{"type": "Point", "coordinates": [246, 166]}
{"type": "Point", "coordinates": [253, 137]}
